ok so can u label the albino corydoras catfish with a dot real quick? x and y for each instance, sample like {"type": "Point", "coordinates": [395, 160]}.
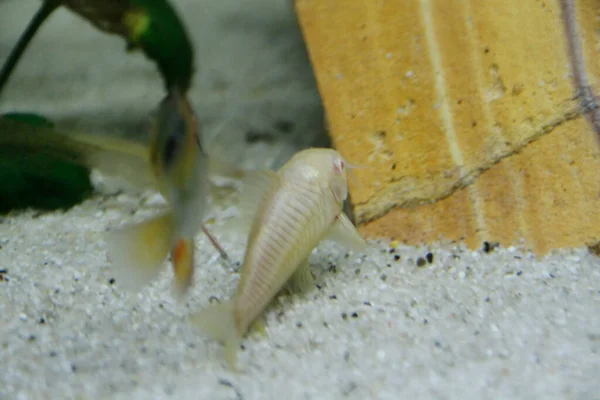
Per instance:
{"type": "Point", "coordinates": [180, 168]}
{"type": "Point", "coordinates": [298, 206]}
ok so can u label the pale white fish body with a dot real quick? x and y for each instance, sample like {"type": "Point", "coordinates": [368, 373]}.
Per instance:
{"type": "Point", "coordinates": [289, 224]}
{"type": "Point", "coordinates": [301, 206]}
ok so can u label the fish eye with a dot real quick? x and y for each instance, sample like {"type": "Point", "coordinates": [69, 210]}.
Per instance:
{"type": "Point", "coordinates": [338, 166]}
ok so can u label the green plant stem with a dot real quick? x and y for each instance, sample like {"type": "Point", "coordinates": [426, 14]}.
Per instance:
{"type": "Point", "coordinates": [48, 6]}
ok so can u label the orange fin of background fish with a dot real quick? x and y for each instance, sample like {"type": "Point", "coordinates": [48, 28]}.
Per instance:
{"type": "Point", "coordinates": [138, 252]}
{"type": "Point", "coordinates": [183, 265]}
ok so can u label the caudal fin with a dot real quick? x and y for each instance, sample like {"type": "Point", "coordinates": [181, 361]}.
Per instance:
{"type": "Point", "coordinates": [137, 252]}
{"type": "Point", "coordinates": [217, 322]}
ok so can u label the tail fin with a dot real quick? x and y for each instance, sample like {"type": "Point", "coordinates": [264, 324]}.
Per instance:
{"type": "Point", "coordinates": [183, 265]}
{"type": "Point", "coordinates": [137, 252]}
{"type": "Point", "coordinates": [218, 322]}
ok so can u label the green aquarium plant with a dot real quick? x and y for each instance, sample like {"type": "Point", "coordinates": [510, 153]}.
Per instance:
{"type": "Point", "coordinates": [42, 171]}
{"type": "Point", "coordinates": [44, 180]}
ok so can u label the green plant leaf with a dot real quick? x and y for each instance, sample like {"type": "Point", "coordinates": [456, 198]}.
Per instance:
{"type": "Point", "coordinates": [39, 180]}
{"type": "Point", "coordinates": [151, 25]}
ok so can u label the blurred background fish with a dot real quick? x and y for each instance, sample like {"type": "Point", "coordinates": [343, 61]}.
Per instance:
{"type": "Point", "coordinates": [181, 167]}
{"type": "Point", "coordinates": [174, 163]}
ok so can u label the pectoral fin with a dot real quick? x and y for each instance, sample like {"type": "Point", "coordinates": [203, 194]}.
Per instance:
{"type": "Point", "coordinates": [302, 280]}
{"type": "Point", "coordinates": [343, 232]}
{"type": "Point", "coordinates": [137, 252]}
{"type": "Point", "coordinates": [260, 326]}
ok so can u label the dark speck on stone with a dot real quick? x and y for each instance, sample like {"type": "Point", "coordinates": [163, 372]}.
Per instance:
{"type": "Point", "coordinates": [344, 316]}
{"type": "Point", "coordinates": [437, 344]}
{"type": "Point", "coordinates": [392, 251]}
{"type": "Point", "coordinates": [489, 247]}
{"type": "Point", "coordinates": [333, 297]}
{"type": "Point", "coordinates": [31, 338]}
{"type": "Point", "coordinates": [367, 303]}
{"type": "Point", "coordinates": [487, 299]}
{"type": "Point", "coordinates": [354, 315]}
{"type": "Point", "coordinates": [519, 273]}
{"type": "Point", "coordinates": [383, 277]}
{"type": "Point", "coordinates": [420, 262]}
{"type": "Point", "coordinates": [429, 257]}
{"type": "Point", "coordinates": [111, 281]}
{"type": "Point", "coordinates": [52, 353]}
{"type": "Point", "coordinates": [425, 322]}
{"type": "Point", "coordinates": [357, 271]}
{"type": "Point", "coordinates": [42, 320]}
{"type": "Point", "coordinates": [73, 367]}
{"type": "Point", "coordinates": [299, 324]}
{"type": "Point", "coordinates": [396, 257]}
